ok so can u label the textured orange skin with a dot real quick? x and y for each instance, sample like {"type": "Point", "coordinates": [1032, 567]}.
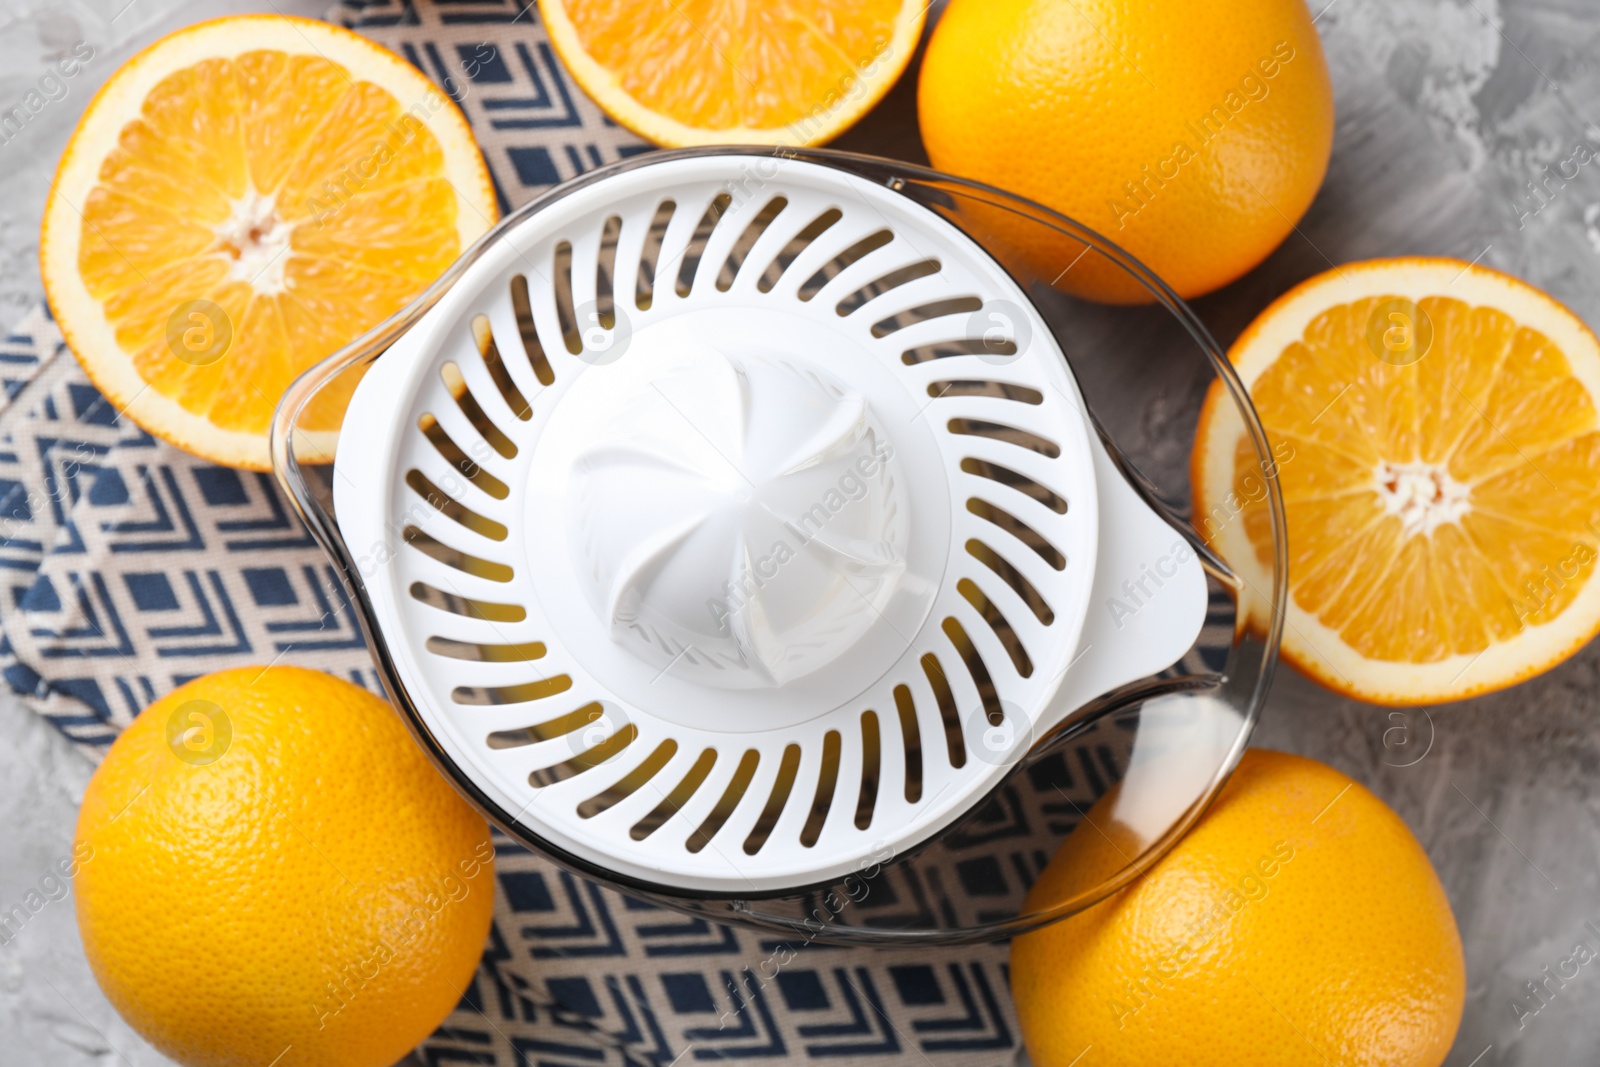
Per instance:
{"type": "Point", "coordinates": [219, 902]}
{"type": "Point", "coordinates": [1064, 103]}
{"type": "Point", "coordinates": [1349, 956]}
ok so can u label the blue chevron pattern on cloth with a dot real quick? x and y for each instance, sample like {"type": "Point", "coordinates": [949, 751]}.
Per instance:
{"type": "Point", "coordinates": [493, 58]}
{"type": "Point", "coordinates": [128, 567]}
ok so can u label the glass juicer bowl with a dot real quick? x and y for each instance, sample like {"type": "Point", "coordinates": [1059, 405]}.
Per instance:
{"type": "Point", "coordinates": [1147, 757]}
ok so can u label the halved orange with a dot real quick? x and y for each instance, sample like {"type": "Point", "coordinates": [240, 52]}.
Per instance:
{"type": "Point", "coordinates": [693, 72]}
{"type": "Point", "coordinates": [1435, 430]}
{"type": "Point", "coordinates": [240, 200]}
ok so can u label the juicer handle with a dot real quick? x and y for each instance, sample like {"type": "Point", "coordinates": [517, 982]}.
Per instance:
{"type": "Point", "coordinates": [1148, 603]}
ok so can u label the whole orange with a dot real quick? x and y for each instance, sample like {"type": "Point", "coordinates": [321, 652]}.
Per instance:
{"type": "Point", "coordinates": [272, 873]}
{"type": "Point", "coordinates": [1195, 135]}
{"type": "Point", "coordinates": [1299, 922]}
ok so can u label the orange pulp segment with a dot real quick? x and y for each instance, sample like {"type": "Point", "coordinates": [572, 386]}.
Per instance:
{"type": "Point", "coordinates": [684, 72]}
{"type": "Point", "coordinates": [1442, 499]}
{"type": "Point", "coordinates": [243, 199]}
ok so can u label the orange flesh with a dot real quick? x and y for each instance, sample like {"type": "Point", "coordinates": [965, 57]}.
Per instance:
{"type": "Point", "coordinates": [353, 217]}
{"type": "Point", "coordinates": [1492, 418]}
{"type": "Point", "coordinates": [715, 65]}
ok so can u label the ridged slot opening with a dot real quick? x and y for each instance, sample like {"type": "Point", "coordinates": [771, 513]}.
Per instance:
{"type": "Point", "coordinates": [839, 263]}
{"type": "Point", "coordinates": [911, 738]}
{"type": "Point", "coordinates": [747, 240]}
{"type": "Point", "coordinates": [456, 384]}
{"type": "Point", "coordinates": [645, 286]}
{"type": "Point", "coordinates": [566, 309]}
{"type": "Point", "coordinates": [891, 281]}
{"type": "Point", "coordinates": [725, 804]}
{"type": "Point", "coordinates": [979, 671]}
{"type": "Point", "coordinates": [782, 785]}
{"type": "Point", "coordinates": [871, 768]}
{"type": "Point", "coordinates": [1018, 529]}
{"type": "Point", "coordinates": [938, 309]}
{"type": "Point", "coordinates": [472, 608]}
{"type": "Point", "coordinates": [483, 337]}
{"type": "Point", "coordinates": [996, 621]}
{"type": "Point", "coordinates": [484, 696]}
{"type": "Point", "coordinates": [698, 241]}
{"type": "Point", "coordinates": [605, 301]}
{"type": "Point", "coordinates": [453, 454]}
{"type": "Point", "coordinates": [450, 556]}
{"type": "Point", "coordinates": [522, 308]}
{"type": "Point", "coordinates": [630, 783]}
{"type": "Point", "coordinates": [1020, 482]}
{"type": "Point", "coordinates": [993, 390]}
{"type": "Point", "coordinates": [827, 782]}
{"type": "Point", "coordinates": [520, 652]}
{"type": "Point", "coordinates": [675, 800]}
{"type": "Point", "coordinates": [453, 509]}
{"type": "Point", "coordinates": [549, 730]}
{"type": "Point", "coordinates": [796, 245]}
{"type": "Point", "coordinates": [949, 713]}
{"type": "Point", "coordinates": [961, 346]}
{"type": "Point", "coordinates": [586, 760]}
{"type": "Point", "coordinates": [1011, 435]}
{"type": "Point", "coordinates": [1014, 578]}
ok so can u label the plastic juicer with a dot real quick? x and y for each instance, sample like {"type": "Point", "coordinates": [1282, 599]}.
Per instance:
{"type": "Point", "coordinates": [773, 535]}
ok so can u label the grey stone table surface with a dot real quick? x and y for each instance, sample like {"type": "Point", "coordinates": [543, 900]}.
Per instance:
{"type": "Point", "coordinates": [51, 1012]}
{"type": "Point", "coordinates": [1446, 110]}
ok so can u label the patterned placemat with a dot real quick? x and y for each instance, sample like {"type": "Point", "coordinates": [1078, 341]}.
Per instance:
{"type": "Point", "coordinates": [128, 567]}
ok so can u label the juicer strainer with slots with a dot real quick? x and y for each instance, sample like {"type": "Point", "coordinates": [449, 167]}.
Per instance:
{"type": "Point", "coordinates": [744, 528]}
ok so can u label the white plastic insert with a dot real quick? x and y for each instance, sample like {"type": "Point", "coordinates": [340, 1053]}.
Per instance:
{"type": "Point", "coordinates": [736, 521]}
